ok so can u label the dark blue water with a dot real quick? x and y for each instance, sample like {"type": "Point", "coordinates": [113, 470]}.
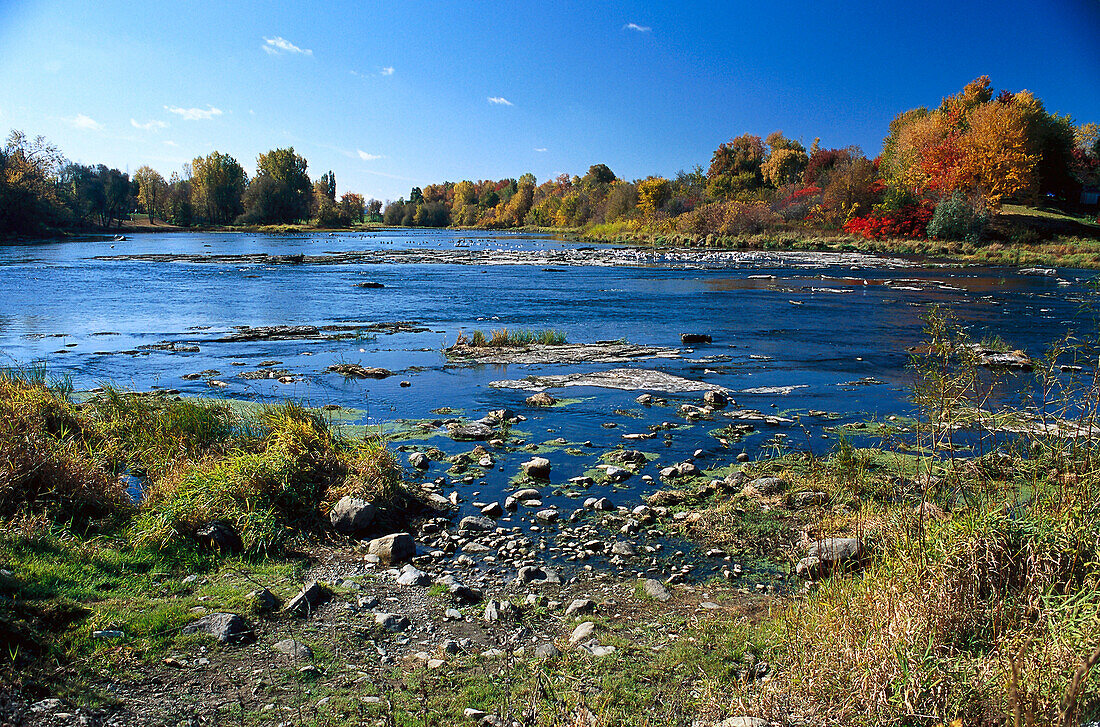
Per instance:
{"type": "Point", "coordinates": [819, 324]}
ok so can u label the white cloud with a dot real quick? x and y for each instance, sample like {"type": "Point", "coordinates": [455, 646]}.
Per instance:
{"type": "Point", "coordinates": [87, 123]}
{"type": "Point", "coordinates": [637, 28]}
{"type": "Point", "coordinates": [500, 101]}
{"type": "Point", "coordinates": [194, 114]}
{"type": "Point", "coordinates": [541, 149]}
{"type": "Point", "coordinates": [387, 71]}
{"type": "Point", "coordinates": [368, 157]}
{"type": "Point", "coordinates": [149, 125]}
{"type": "Point", "coordinates": [170, 143]}
{"type": "Point", "coordinates": [279, 45]}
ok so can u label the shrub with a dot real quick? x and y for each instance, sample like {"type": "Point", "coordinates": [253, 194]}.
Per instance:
{"type": "Point", "coordinates": [48, 459]}
{"type": "Point", "coordinates": [957, 218]}
{"type": "Point", "coordinates": [909, 222]}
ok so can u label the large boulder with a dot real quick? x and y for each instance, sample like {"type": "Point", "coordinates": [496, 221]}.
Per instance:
{"type": "Point", "coordinates": [474, 431]}
{"type": "Point", "coordinates": [227, 628]}
{"type": "Point", "coordinates": [541, 399]}
{"type": "Point", "coordinates": [825, 556]}
{"type": "Point", "coordinates": [392, 549]}
{"type": "Point", "coordinates": [351, 515]}
{"type": "Point", "coordinates": [476, 523]}
{"type": "Point", "coordinates": [537, 467]}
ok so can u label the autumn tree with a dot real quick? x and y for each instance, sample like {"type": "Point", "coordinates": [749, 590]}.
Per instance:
{"type": "Point", "coordinates": [735, 166]}
{"type": "Point", "coordinates": [652, 195]}
{"type": "Point", "coordinates": [352, 206]}
{"type": "Point", "coordinates": [281, 192]}
{"type": "Point", "coordinates": [218, 183]}
{"type": "Point", "coordinates": [151, 191]}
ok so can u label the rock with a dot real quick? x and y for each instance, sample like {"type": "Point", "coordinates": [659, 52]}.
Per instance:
{"type": "Point", "coordinates": [537, 467]}
{"type": "Point", "coordinates": [294, 649]}
{"type": "Point", "coordinates": [474, 431]}
{"type": "Point", "coordinates": [580, 606]}
{"type": "Point", "coordinates": [492, 611]}
{"type": "Point", "coordinates": [656, 590]}
{"type": "Point", "coordinates": [541, 399]}
{"type": "Point", "coordinates": [828, 555]}
{"type": "Point", "coordinates": [227, 628]}
{"type": "Point", "coordinates": [393, 549]}
{"type": "Point", "coordinates": [547, 651]}
{"type": "Point", "coordinates": [411, 576]}
{"type": "Point", "coordinates": [768, 485]}
{"type": "Point", "coordinates": [743, 722]}
{"type": "Point", "coordinates": [220, 537]}
{"type": "Point", "coordinates": [548, 515]}
{"type": "Point", "coordinates": [525, 494]}
{"type": "Point", "coordinates": [617, 474]}
{"type": "Point", "coordinates": [355, 371]}
{"type": "Point", "coordinates": [621, 547]}
{"type": "Point", "coordinates": [419, 460]}
{"type": "Point", "coordinates": [582, 632]}
{"type": "Point", "coordinates": [687, 469]}
{"type": "Point", "coordinates": [108, 634]}
{"type": "Point", "coordinates": [599, 503]}
{"type": "Point", "coordinates": [493, 509]}
{"type": "Point", "coordinates": [1014, 360]}
{"type": "Point", "coordinates": [645, 400]}
{"type": "Point", "coordinates": [476, 523]}
{"type": "Point", "coordinates": [799, 500]}
{"type": "Point", "coordinates": [464, 595]}
{"type": "Point", "coordinates": [532, 573]}
{"type": "Point", "coordinates": [474, 715]}
{"type": "Point", "coordinates": [351, 515]}
{"type": "Point", "coordinates": [263, 601]}
{"type": "Point", "coordinates": [306, 602]}
{"type": "Point", "coordinates": [391, 622]}
{"type": "Point", "coordinates": [743, 457]}
{"type": "Point", "coordinates": [716, 398]}
{"type": "Point", "coordinates": [694, 338]}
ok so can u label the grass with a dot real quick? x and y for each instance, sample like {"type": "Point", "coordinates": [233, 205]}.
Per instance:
{"type": "Point", "coordinates": [504, 338]}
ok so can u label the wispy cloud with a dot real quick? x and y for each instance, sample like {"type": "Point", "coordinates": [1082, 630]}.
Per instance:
{"type": "Point", "coordinates": [169, 142]}
{"type": "Point", "coordinates": [387, 71]}
{"type": "Point", "coordinates": [194, 114]}
{"type": "Point", "coordinates": [500, 101]}
{"type": "Point", "coordinates": [87, 123]}
{"type": "Point", "coordinates": [149, 125]}
{"type": "Point", "coordinates": [637, 28]}
{"type": "Point", "coordinates": [279, 45]}
{"type": "Point", "coordinates": [541, 149]}
{"type": "Point", "coordinates": [368, 157]}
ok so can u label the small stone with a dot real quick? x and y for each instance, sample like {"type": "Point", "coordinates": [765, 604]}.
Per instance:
{"type": "Point", "coordinates": [411, 576]}
{"type": "Point", "coordinates": [547, 651]}
{"type": "Point", "coordinates": [306, 602]}
{"type": "Point", "coordinates": [548, 515]}
{"type": "Point", "coordinates": [391, 621]}
{"type": "Point", "coordinates": [294, 649]}
{"type": "Point", "coordinates": [580, 606]}
{"type": "Point", "coordinates": [541, 399]}
{"type": "Point", "coordinates": [582, 632]}
{"type": "Point", "coordinates": [537, 467]}
{"type": "Point", "coordinates": [226, 628]}
{"type": "Point", "coordinates": [263, 601]}
{"type": "Point", "coordinates": [476, 523]}
{"type": "Point", "coordinates": [493, 509]}
{"type": "Point", "coordinates": [656, 590]}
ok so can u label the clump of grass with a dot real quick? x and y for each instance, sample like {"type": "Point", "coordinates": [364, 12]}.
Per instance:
{"type": "Point", "coordinates": [48, 457]}
{"type": "Point", "coordinates": [504, 338]}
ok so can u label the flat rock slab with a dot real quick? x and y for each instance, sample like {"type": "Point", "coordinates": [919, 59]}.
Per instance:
{"type": "Point", "coordinates": [566, 353]}
{"type": "Point", "coordinates": [622, 379]}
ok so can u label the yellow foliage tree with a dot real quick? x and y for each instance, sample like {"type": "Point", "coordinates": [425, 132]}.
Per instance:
{"type": "Point", "coordinates": [997, 160]}
{"type": "Point", "coordinates": [652, 194]}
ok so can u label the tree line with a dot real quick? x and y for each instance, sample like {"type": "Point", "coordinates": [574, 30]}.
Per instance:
{"type": "Point", "coordinates": [41, 191]}
{"type": "Point", "coordinates": [942, 171]}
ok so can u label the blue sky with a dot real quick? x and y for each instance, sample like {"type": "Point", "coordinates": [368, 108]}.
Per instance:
{"type": "Point", "coordinates": [407, 92]}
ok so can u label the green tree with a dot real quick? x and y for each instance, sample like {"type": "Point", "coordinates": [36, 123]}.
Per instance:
{"type": "Point", "coordinates": [281, 193]}
{"type": "Point", "coordinates": [151, 191]}
{"type": "Point", "coordinates": [735, 166]}
{"type": "Point", "coordinates": [29, 171]}
{"type": "Point", "coordinates": [218, 183]}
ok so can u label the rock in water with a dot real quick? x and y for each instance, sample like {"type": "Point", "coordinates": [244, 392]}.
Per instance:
{"type": "Point", "coordinates": [541, 399]}
{"type": "Point", "coordinates": [537, 467]}
{"type": "Point", "coordinates": [691, 338]}
{"type": "Point", "coordinates": [351, 515]}
{"type": "Point", "coordinates": [227, 628]}
{"type": "Point", "coordinates": [393, 549]}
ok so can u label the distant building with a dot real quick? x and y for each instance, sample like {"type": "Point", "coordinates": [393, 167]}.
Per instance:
{"type": "Point", "coordinates": [1090, 195]}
